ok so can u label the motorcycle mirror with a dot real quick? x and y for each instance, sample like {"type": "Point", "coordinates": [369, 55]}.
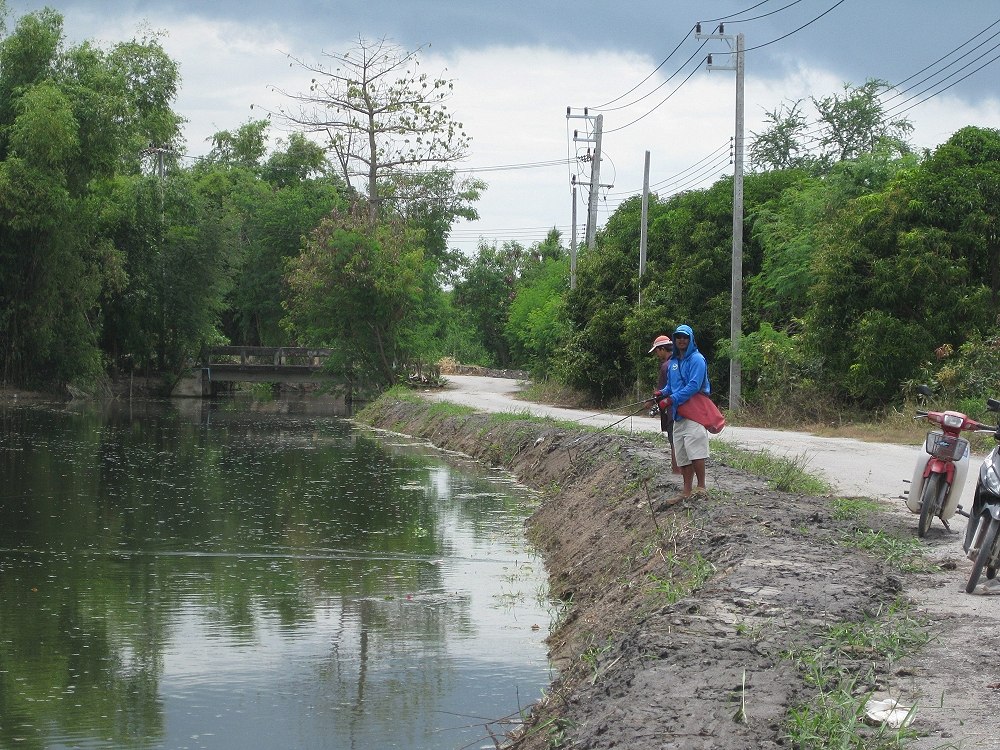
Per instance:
{"type": "Point", "coordinates": [992, 404]}
{"type": "Point", "coordinates": [923, 390]}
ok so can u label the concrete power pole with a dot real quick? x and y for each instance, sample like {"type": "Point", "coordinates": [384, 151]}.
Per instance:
{"type": "Point", "coordinates": [595, 184]}
{"type": "Point", "coordinates": [572, 246]}
{"type": "Point", "coordinates": [595, 168]}
{"type": "Point", "coordinates": [643, 229]}
{"type": "Point", "coordinates": [737, 45]}
{"type": "Point", "coordinates": [642, 249]}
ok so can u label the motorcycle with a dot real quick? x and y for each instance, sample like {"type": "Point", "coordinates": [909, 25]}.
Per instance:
{"type": "Point", "coordinates": [982, 535]}
{"type": "Point", "coordinates": [941, 469]}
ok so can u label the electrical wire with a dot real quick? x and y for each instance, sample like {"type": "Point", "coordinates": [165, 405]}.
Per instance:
{"type": "Point", "coordinates": [674, 187]}
{"type": "Point", "coordinates": [732, 16]}
{"type": "Point", "coordinates": [814, 138]}
{"type": "Point", "coordinates": [945, 56]}
{"type": "Point", "coordinates": [765, 15]}
{"type": "Point", "coordinates": [664, 83]}
{"type": "Point", "coordinates": [513, 167]}
{"type": "Point", "coordinates": [900, 92]}
{"type": "Point", "coordinates": [664, 62]}
{"type": "Point", "coordinates": [950, 85]}
{"type": "Point", "coordinates": [677, 176]}
{"type": "Point", "coordinates": [739, 12]}
{"type": "Point", "coordinates": [664, 101]}
{"type": "Point", "coordinates": [796, 31]}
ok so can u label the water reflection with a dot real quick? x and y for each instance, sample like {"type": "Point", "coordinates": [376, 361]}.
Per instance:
{"type": "Point", "coordinates": [248, 575]}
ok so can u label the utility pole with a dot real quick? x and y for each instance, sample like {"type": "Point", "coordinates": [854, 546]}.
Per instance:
{"type": "Point", "coordinates": [642, 225]}
{"type": "Point", "coordinates": [737, 46]}
{"type": "Point", "coordinates": [572, 246]}
{"type": "Point", "coordinates": [595, 167]}
{"type": "Point", "coordinates": [595, 181]}
{"type": "Point", "coordinates": [642, 248]}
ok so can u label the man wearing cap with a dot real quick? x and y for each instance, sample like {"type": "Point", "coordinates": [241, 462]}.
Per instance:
{"type": "Point", "coordinates": [687, 373]}
{"type": "Point", "coordinates": [663, 347]}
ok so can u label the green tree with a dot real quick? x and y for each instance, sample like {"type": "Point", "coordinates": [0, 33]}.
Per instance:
{"type": "Point", "coordinates": [537, 326]}
{"type": "Point", "coordinates": [361, 290]}
{"type": "Point", "coordinates": [782, 144]}
{"type": "Point", "coordinates": [847, 126]}
{"type": "Point", "coordinates": [485, 292]}
{"type": "Point", "coordinates": [71, 120]}
{"type": "Point", "coordinates": [906, 270]}
{"type": "Point", "coordinates": [855, 123]}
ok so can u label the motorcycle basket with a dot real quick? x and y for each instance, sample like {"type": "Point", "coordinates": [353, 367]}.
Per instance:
{"type": "Point", "coordinates": [945, 448]}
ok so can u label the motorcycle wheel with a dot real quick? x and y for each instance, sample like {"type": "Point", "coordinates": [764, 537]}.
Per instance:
{"type": "Point", "coordinates": [929, 503]}
{"type": "Point", "coordinates": [985, 553]}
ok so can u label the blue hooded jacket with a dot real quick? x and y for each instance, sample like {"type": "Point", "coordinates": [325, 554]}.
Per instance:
{"type": "Point", "coordinates": [687, 374]}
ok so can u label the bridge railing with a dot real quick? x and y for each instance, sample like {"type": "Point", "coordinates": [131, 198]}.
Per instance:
{"type": "Point", "coordinates": [274, 356]}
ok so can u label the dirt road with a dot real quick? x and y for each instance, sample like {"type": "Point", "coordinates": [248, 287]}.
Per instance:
{"type": "Point", "coordinates": [854, 467]}
{"type": "Point", "coordinates": [955, 679]}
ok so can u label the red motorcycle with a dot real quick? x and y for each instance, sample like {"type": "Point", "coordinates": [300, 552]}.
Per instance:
{"type": "Point", "coordinates": [939, 476]}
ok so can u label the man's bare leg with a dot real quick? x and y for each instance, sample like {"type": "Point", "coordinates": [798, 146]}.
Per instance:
{"type": "Point", "coordinates": [698, 469]}
{"type": "Point", "coordinates": [687, 473]}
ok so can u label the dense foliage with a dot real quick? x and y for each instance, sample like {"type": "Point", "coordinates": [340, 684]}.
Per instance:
{"type": "Point", "coordinates": [855, 277]}
{"type": "Point", "coordinates": [867, 267]}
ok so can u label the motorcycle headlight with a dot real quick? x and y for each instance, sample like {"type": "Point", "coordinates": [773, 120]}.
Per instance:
{"type": "Point", "coordinates": [989, 476]}
{"type": "Point", "coordinates": [953, 420]}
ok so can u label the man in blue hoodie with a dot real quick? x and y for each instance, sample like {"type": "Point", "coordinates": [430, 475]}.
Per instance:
{"type": "Point", "coordinates": [686, 375]}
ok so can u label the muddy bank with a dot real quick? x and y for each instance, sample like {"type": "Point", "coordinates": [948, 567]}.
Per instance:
{"type": "Point", "coordinates": [678, 622]}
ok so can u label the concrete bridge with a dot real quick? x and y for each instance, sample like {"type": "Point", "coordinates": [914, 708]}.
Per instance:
{"type": "Point", "coordinates": [222, 365]}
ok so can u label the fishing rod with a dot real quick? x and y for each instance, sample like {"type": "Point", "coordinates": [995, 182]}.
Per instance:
{"type": "Point", "coordinates": [640, 404]}
{"type": "Point", "coordinates": [627, 416]}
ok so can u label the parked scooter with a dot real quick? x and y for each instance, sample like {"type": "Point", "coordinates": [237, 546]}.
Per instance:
{"type": "Point", "coordinates": [941, 469]}
{"type": "Point", "coordinates": [982, 535]}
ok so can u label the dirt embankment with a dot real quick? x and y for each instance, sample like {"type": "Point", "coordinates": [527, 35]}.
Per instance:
{"type": "Point", "coordinates": [678, 623]}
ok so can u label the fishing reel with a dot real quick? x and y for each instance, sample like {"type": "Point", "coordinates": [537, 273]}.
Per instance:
{"type": "Point", "coordinates": [654, 410]}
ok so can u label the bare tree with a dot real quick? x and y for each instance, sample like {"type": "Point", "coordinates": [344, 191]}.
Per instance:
{"type": "Point", "coordinates": [385, 121]}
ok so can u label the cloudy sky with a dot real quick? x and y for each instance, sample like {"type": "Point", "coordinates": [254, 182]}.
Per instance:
{"type": "Point", "coordinates": [518, 65]}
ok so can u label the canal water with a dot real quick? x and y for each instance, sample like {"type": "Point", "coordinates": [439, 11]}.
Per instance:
{"type": "Point", "coordinates": [247, 574]}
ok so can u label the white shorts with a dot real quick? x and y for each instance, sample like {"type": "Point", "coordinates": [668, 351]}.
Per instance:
{"type": "Point", "coordinates": [690, 441]}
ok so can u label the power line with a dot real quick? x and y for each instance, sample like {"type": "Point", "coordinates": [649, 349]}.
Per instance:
{"type": "Point", "coordinates": [513, 167]}
{"type": "Point", "coordinates": [664, 101]}
{"type": "Point", "coordinates": [678, 175]}
{"type": "Point", "coordinates": [664, 62]}
{"type": "Point", "coordinates": [664, 83]}
{"type": "Point", "coordinates": [945, 56]}
{"type": "Point", "coordinates": [938, 72]}
{"type": "Point", "coordinates": [738, 13]}
{"type": "Point", "coordinates": [764, 15]}
{"type": "Point", "coordinates": [796, 31]}
{"type": "Point", "coordinates": [954, 83]}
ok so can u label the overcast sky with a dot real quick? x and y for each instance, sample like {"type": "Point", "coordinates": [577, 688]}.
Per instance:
{"type": "Point", "coordinates": [518, 65]}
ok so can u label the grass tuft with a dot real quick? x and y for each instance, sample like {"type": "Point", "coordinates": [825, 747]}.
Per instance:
{"type": "Point", "coordinates": [782, 473]}
{"type": "Point", "coordinates": [843, 670]}
{"type": "Point", "coordinates": [906, 554]}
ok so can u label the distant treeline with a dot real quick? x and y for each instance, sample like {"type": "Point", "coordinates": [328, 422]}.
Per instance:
{"type": "Point", "coordinates": [867, 267]}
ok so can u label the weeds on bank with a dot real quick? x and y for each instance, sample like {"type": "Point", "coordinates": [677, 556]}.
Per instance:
{"type": "Point", "coordinates": [559, 613]}
{"type": "Point", "coordinates": [684, 575]}
{"type": "Point", "coordinates": [782, 473]}
{"type": "Point", "coordinates": [592, 657]}
{"type": "Point", "coordinates": [844, 670]}
{"type": "Point", "coordinates": [904, 554]}
{"type": "Point", "coordinates": [448, 409]}
{"type": "Point", "coordinates": [556, 731]}
{"type": "Point", "coordinates": [853, 508]}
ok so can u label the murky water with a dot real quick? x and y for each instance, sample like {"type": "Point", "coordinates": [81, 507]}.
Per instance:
{"type": "Point", "coordinates": [254, 575]}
